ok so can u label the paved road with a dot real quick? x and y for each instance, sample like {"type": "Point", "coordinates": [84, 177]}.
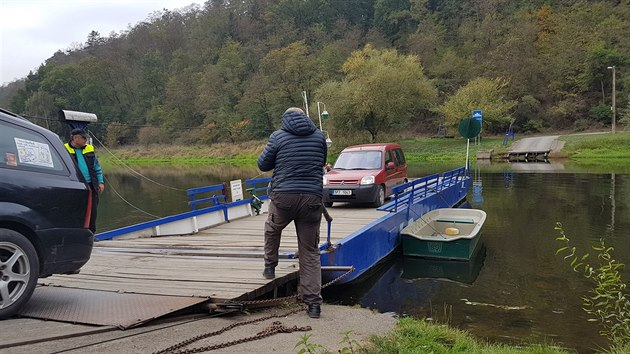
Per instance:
{"type": "Point", "coordinates": [536, 144]}
{"type": "Point", "coordinates": [22, 335]}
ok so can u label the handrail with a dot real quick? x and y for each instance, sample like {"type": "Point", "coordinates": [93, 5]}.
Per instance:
{"type": "Point", "coordinates": [254, 182]}
{"type": "Point", "coordinates": [411, 192]}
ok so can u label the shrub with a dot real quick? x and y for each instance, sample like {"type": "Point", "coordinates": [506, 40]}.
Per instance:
{"type": "Point", "coordinates": [151, 135]}
{"type": "Point", "coordinates": [117, 134]}
{"type": "Point", "coordinates": [607, 303]}
{"type": "Point", "coordinates": [601, 113]}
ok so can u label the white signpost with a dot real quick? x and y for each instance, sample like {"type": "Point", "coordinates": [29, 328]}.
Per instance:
{"type": "Point", "coordinates": [236, 188]}
{"type": "Point", "coordinates": [478, 115]}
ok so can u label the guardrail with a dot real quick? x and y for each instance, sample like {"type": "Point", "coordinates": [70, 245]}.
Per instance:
{"type": "Point", "coordinates": [413, 191]}
{"type": "Point", "coordinates": [193, 221]}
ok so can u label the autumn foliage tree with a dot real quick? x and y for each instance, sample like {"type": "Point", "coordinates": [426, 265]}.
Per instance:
{"type": "Point", "coordinates": [484, 94]}
{"type": "Point", "coordinates": [382, 90]}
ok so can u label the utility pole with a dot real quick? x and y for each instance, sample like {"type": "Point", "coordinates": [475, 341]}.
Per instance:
{"type": "Point", "coordinates": [614, 93]}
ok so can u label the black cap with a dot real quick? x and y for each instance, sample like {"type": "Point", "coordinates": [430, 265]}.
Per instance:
{"type": "Point", "coordinates": [79, 131]}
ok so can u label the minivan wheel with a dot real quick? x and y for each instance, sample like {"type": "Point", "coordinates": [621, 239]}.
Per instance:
{"type": "Point", "coordinates": [380, 197]}
{"type": "Point", "coordinates": [19, 270]}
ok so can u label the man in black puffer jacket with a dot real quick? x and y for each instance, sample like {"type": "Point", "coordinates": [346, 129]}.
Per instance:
{"type": "Point", "coordinates": [296, 153]}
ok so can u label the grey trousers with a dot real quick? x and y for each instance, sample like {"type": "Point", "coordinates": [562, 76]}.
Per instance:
{"type": "Point", "coordinates": [305, 210]}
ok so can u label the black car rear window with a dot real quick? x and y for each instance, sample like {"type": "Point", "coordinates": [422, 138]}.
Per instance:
{"type": "Point", "coordinates": [25, 149]}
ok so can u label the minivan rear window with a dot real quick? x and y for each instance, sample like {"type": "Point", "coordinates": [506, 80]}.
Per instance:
{"type": "Point", "coordinates": [359, 160]}
{"type": "Point", "coordinates": [25, 149]}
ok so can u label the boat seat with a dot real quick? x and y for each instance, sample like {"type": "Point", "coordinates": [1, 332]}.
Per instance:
{"type": "Point", "coordinates": [457, 221]}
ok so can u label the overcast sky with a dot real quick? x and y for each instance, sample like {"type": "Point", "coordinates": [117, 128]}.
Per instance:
{"type": "Point", "coordinates": [31, 31]}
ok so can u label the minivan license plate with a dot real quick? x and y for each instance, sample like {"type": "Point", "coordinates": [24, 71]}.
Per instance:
{"type": "Point", "coordinates": [341, 192]}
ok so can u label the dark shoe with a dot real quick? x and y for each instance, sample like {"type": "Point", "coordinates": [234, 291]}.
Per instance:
{"type": "Point", "coordinates": [269, 273]}
{"type": "Point", "coordinates": [313, 310]}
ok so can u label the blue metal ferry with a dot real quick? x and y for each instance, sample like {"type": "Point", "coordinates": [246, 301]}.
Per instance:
{"type": "Point", "coordinates": [362, 249]}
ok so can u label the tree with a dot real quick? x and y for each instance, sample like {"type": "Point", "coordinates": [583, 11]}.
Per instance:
{"type": "Point", "coordinates": [64, 84]}
{"type": "Point", "coordinates": [221, 88]}
{"type": "Point", "coordinates": [382, 90]}
{"type": "Point", "coordinates": [484, 94]}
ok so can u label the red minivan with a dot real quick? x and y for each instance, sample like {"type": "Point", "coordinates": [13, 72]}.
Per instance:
{"type": "Point", "coordinates": [365, 174]}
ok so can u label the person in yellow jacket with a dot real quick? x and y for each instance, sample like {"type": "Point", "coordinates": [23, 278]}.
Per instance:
{"type": "Point", "coordinates": [85, 158]}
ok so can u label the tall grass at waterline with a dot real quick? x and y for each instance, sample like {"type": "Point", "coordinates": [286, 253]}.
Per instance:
{"type": "Point", "coordinates": [242, 154]}
{"type": "Point", "coordinates": [419, 336]}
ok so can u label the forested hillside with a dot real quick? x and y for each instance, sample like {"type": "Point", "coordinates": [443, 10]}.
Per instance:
{"type": "Point", "coordinates": [227, 70]}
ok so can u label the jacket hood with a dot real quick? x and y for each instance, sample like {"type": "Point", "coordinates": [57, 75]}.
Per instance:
{"type": "Point", "coordinates": [297, 123]}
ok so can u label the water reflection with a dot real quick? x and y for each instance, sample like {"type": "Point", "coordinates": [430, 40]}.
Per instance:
{"type": "Point", "coordinates": [538, 166]}
{"type": "Point", "coordinates": [477, 188]}
{"type": "Point", "coordinates": [457, 271]}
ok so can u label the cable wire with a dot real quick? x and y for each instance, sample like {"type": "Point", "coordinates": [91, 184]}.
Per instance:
{"type": "Point", "coordinates": [126, 201]}
{"type": "Point", "coordinates": [134, 171]}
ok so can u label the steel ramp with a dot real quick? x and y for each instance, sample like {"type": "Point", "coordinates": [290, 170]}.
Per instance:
{"type": "Point", "coordinates": [103, 308]}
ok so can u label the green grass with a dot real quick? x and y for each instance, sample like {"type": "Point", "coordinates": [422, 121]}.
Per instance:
{"type": "Point", "coordinates": [419, 336]}
{"type": "Point", "coordinates": [597, 150]}
{"type": "Point", "coordinates": [597, 146]}
{"type": "Point", "coordinates": [447, 149]}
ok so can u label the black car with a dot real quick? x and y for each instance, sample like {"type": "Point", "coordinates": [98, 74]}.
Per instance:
{"type": "Point", "coordinates": [44, 213]}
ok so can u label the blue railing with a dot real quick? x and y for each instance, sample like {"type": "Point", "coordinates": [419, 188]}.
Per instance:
{"type": "Point", "coordinates": [418, 189]}
{"type": "Point", "coordinates": [215, 195]}
{"type": "Point", "coordinates": [255, 187]}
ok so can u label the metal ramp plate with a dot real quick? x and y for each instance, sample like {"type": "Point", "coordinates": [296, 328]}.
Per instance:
{"type": "Point", "coordinates": [104, 308]}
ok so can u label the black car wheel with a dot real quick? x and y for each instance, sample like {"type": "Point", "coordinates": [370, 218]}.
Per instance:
{"type": "Point", "coordinates": [380, 197]}
{"type": "Point", "coordinates": [19, 270]}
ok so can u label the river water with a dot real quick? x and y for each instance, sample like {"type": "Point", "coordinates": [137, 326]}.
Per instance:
{"type": "Point", "coordinates": [515, 290]}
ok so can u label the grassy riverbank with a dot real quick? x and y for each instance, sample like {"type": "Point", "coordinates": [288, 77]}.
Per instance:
{"type": "Point", "coordinates": [419, 336]}
{"type": "Point", "coordinates": [597, 146]}
{"type": "Point", "coordinates": [581, 148]}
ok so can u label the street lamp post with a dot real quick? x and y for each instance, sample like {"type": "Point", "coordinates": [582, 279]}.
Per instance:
{"type": "Point", "coordinates": [305, 102]}
{"type": "Point", "coordinates": [319, 113]}
{"type": "Point", "coordinates": [324, 113]}
{"type": "Point", "coordinates": [614, 107]}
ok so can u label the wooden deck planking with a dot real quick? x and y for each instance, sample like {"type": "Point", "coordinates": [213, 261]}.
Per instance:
{"type": "Point", "coordinates": [192, 265]}
{"type": "Point", "coordinates": [250, 234]}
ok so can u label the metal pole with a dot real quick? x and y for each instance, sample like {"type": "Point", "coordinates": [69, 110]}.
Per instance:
{"type": "Point", "coordinates": [467, 150]}
{"type": "Point", "coordinates": [614, 104]}
{"type": "Point", "coordinates": [319, 114]}
{"type": "Point", "coordinates": [305, 102]}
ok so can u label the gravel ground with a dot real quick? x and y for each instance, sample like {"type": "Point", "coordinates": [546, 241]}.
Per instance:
{"type": "Point", "coordinates": [327, 331]}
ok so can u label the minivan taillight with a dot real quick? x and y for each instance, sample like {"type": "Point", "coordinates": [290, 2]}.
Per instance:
{"type": "Point", "coordinates": [88, 211]}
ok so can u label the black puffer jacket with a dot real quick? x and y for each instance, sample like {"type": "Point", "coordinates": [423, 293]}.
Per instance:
{"type": "Point", "coordinates": [296, 153]}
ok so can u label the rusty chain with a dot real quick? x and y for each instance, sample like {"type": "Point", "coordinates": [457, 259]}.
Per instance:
{"type": "Point", "coordinates": [276, 327]}
{"type": "Point", "coordinates": [189, 341]}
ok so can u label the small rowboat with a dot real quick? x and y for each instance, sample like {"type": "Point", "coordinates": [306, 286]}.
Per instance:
{"type": "Point", "coordinates": [449, 233]}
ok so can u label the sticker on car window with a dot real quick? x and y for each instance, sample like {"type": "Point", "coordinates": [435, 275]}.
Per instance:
{"type": "Point", "coordinates": [33, 153]}
{"type": "Point", "coordinates": [10, 159]}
